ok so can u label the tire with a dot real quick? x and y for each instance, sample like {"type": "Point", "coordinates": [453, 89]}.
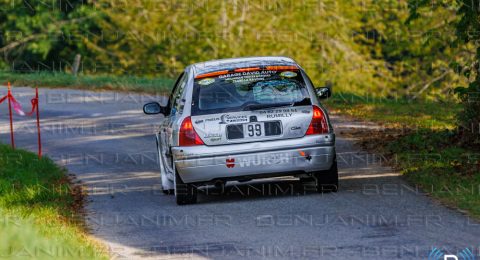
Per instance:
{"type": "Point", "coordinates": [184, 193]}
{"type": "Point", "coordinates": [327, 181]}
{"type": "Point", "coordinates": [306, 180]}
{"type": "Point", "coordinates": [168, 192]}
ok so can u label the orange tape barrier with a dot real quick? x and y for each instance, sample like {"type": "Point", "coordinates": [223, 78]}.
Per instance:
{"type": "Point", "coordinates": [19, 110]}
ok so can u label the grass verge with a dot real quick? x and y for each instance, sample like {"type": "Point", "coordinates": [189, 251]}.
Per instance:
{"type": "Point", "coordinates": [93, 82]}
{"type": "Point", "coordinates": [396, 112]}
{"type": "Point", "coordinates": [420, 138]}
{"type": "Point", "coordinates": [40, 211]}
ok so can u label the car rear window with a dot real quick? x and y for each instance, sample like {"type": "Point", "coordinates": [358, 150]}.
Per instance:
{"type": "Point", "coordinates": [248, 89]}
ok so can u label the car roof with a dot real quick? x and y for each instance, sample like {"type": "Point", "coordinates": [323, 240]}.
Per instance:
{"type": "Point", "coordinates": [224, 64]}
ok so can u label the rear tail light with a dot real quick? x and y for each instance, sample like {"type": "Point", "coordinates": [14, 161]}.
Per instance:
{"type": "Point", "coordinates": [187, 135]}
{"type": "Point", "coordinates": [319, 123]}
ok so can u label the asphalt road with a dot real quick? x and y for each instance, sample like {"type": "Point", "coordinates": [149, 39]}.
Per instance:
{"type": "Point", "coordinates": [104, 139]}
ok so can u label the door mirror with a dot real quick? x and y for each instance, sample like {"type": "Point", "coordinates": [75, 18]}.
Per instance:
{"type": "Point", "coordinates": [153, 108]}
{"type": "Point", "coordinates": [323, 92]}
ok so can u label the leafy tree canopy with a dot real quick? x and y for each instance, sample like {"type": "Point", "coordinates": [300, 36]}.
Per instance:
{"type": "Point", "coordinates": [364, 46]}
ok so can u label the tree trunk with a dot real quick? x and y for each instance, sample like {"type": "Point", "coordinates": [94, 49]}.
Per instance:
{"type": "Point", "coordinates": [76, 64]}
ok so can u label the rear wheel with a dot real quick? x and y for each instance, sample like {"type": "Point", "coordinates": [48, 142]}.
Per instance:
{"type": "Point", "coordinates": [168, 191]}
{"type": "Point", "coordinates": [306, 180]}
{"type": "Point", "coordinates": [184, 193]}
{"type": "Point", "coordinates": [327, 181]}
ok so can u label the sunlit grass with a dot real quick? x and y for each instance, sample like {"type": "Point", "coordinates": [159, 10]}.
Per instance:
{"type": "Point", "coordinates": [90, 82]}
{"type": "Point", "coordinates": [445, 170]}
{"type": "Point", "coordinates": [396, 112]}
{"type": "Point", "coordinates": [38, 219]}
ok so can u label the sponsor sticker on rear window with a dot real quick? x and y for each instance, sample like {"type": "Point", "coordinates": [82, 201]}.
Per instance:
{"type": "Point", "coordinates": [239, 77]}
{"type": "Point", "coordinates": [288, 74]}
{"type": "Point", "coordinates": [205, 82]}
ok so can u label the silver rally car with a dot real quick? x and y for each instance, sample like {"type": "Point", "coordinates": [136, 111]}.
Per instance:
{"type": "Point", "coordinates": [242, 119]}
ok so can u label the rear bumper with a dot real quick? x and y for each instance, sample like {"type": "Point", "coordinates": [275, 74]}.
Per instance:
{"type": "Point", "coordinates": [258, 159]}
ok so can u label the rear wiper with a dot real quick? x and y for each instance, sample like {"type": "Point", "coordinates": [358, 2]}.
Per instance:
{"type": "Point", "coordinates": [305, 101]}
{"type": "Point", "coordinates": [265, 106]}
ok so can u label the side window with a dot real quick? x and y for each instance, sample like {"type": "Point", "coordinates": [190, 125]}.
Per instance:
{"type": "Point", "coordinates": [174, 89]}
{"type": "Point", "coordinates": [177, 95]}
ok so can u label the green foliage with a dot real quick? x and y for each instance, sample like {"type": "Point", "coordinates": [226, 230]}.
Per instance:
{"type": "Point", "coordinates": [361, 46]}
{"type": "Point", "coordinates": [469, 117]}
{"type": "Point", "coordinates": [37, 218]}
{"type": "Point", "coordinates": [466, 26]}
{"type": "Point", "coordinates": [43, 35]}
{"type": "Point", "coordinates": [168, 37]}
